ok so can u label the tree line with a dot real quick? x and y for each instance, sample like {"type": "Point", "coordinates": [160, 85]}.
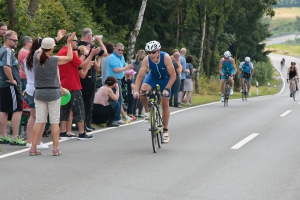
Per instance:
{"type": "Point", "coordinates": [206, 28]}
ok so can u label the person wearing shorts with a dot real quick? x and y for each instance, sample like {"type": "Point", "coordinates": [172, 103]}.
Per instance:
{"type": "Point", "coordinates": [10, 95]}
{"type": "Point", "coordinates": [161, 73]}
{"type": "Point", "coordinates": [70, 80]}
{"type": "Point", "coordinates": [227, 63]}
{"type": "Point", "coordinates": [48, 91]}
{"type": "Point", "coordinates": [247, 70]}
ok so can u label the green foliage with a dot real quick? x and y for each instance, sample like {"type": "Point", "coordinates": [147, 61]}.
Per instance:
{"type": "Point", "coordinates": [204, 85]}
{"type": "Point", "coordinates": [262, 72]}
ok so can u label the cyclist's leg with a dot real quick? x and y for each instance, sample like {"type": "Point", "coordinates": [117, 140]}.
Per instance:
{"type": "Point", "coordinates": [291, 85]}
{"type": "Point", "coordinates": [223, 85]}
{"type": "Point", "coordinates": [231, 81]}
{"type": "Point", "coordinates": [249, 83]}
{"type": "Point", "coordinates": [165, 109]}
{"type": "Point", "coordinates": [296, 82]}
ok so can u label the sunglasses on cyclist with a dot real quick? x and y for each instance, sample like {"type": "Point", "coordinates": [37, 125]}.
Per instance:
{"type": "Point", "coordinates": [293, 63]}
{"type": "Point", "coordinates": [151, 52]}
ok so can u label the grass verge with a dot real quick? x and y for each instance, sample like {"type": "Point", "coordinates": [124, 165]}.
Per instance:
{"type": "Point", "coordinates": [285, 49]}
{"type": "Point", "coordinates": [275, 86]}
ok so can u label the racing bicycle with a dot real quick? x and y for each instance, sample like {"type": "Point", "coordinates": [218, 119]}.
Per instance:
{"type": "Point", "coordinates": [155, 118]}
{"type": "Point", "coordinates": [246, 76]}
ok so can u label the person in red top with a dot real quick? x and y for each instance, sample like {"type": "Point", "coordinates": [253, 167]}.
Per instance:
{"type": "Point", "coordinates": [69, 78]}
{"type": "Point", "coordinates": [26, 46]}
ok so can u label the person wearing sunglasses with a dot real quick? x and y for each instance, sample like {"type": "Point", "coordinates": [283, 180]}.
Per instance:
{"type": "Point", "coordinates": [292, 73]}
{"type": "Point", "coordinates": [10, 95]}
{"type": "Point", "coordinates": [246, 71]}
{"type": "Point", "coordinates": [227, 63]}
{"type": "Point", "coordinates": [70, 80]}
{"type": "Point", "coordinates": [162, 73]}
{"type": "Point", "coordinates": [116, 66]}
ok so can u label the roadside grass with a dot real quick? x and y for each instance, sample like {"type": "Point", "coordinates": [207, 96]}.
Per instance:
{"type": "Point", "coordinates": [275, 86]}
{"type": "Point", "coordinates": [285, 49]}
{"type": "Point", "coordinates": [283, 21]}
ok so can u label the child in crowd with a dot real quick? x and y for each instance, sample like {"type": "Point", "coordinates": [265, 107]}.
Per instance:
{"type": "Point", "coordinates": [129, 74]}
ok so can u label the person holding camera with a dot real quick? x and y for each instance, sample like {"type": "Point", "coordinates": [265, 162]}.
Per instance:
{"type": "Point", "coordinates": [69, 79]}
{"type": "Point", "coordinates": [89, 82]}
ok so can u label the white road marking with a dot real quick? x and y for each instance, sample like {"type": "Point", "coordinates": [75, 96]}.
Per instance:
{"type": "Point", "coordinates": [299, 103]}
{"type": "Point", "coordinates": [244, 141]}
{"type": "Point", "coordinates": [285, 113]}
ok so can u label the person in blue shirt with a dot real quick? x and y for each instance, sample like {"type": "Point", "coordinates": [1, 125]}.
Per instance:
{"type": "Point", "coordinates": [116, 66]}
{"type": "Point", "coordinates": [161, 73]}
{"type": "Point", "coordinates": [227, 63]}
{"type": "Point", "coordinates": [246, 71]}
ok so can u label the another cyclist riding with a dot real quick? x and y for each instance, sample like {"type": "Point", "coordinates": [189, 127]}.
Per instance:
{"type": "Point", "coordinates": [227, 63]}
{"type": "Point", "coordinates": [282, 63]}
{"type": "Point", "coordinates": [246, 71]}
{"type": "Point", "coordinates": [292, 73]}
{"type": "Point", "coordinates": [162, 73]}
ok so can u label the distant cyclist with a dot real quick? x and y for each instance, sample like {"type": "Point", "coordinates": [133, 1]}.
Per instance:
{"type": "Point", "coordinates": [282, 63]}
{"type": "Point", "coordinates": [227, 63]}
{"type": "Point", "coordinates": [247, 70]}
{"type": "Point", "coordinates": [162, 72]}
{"type": "Point", "coordinates": [292, 73]}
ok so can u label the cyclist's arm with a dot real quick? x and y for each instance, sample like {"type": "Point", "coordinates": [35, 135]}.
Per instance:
{"type": "Point", "coordinates": [141, 74]}
{"type": "Point", "coordinates": [297, 74]}
{"type": "Point", "coordinates": [234, 65]}
{"type": "Point", "coordinates": [252, 69]}
{"type": "Point", "coordinates": [287, 74]}
{"type": "Point", "coordinates": [220, 67]}
{"type": "Point", "coordinates": [171, 71]}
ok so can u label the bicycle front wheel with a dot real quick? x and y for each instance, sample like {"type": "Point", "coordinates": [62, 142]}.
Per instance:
{"type": "Point", "coordinates": [226, 95]}
{"type": "Point", "coordinates": [153, 124]}
{"type": "Point", "coordinates": [245, 91]}
{"type": "Point", "coordinates": [294, 91]}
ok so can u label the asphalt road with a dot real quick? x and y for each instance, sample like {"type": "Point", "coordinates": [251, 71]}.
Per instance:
{"type": "Point", "coordinates": [281, 39]}
{"type": "Point", "coordinates": [248, 150]}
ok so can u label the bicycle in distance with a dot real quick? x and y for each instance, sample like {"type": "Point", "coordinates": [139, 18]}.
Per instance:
{"type": "Point", "coordinates": [155, 118]}
{"type": "Point", "coordinates": [227, 89]}
{"type": "Point", "coordinates": [293, 88]}
{"type": "Point", "coordinates": [245, 91]}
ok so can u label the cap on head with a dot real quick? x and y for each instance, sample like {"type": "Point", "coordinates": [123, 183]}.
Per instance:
{"type": "Point", "coordinates": [48, 43]}
{"type": "Point", "coordinates": [129, 72]}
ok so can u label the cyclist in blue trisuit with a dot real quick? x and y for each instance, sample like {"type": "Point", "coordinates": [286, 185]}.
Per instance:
{"type": "Point", "coordinates": [227, 63]}
{"type": "Point", "coordinates": [247, 70]}
{"type": "Point", "coordinates": [292, 73]}
{"type": "Point", "coordinates": [161, 72]}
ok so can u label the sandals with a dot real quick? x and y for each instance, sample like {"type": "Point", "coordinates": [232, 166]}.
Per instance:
{"type": "Point", "coordinates": [34, 152]}
{"type": "Point", "coordinates": [165, 137]}
{"type": "Point", "coordinates": [56, 152]}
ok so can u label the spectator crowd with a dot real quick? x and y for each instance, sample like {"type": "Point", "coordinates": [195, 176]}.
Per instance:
{"type": "Point", "coordinates": [38, 78]}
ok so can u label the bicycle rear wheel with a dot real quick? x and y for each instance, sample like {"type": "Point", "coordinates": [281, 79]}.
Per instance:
{"type": "Point", "coordinates": [160, 129]}
{"type": "Point", "coordinates": [153, 124]}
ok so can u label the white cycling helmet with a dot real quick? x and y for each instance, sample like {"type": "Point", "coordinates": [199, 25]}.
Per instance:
{"type": "Point", "coordinates": [227, 54]}
{"type": "Point", "coordinates": [247, 59]}
{"type": "Point", "coordinates": [152, 46]}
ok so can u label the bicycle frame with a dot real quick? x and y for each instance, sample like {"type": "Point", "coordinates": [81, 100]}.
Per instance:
{"type": "Point", "coordinates": [155, 118]}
